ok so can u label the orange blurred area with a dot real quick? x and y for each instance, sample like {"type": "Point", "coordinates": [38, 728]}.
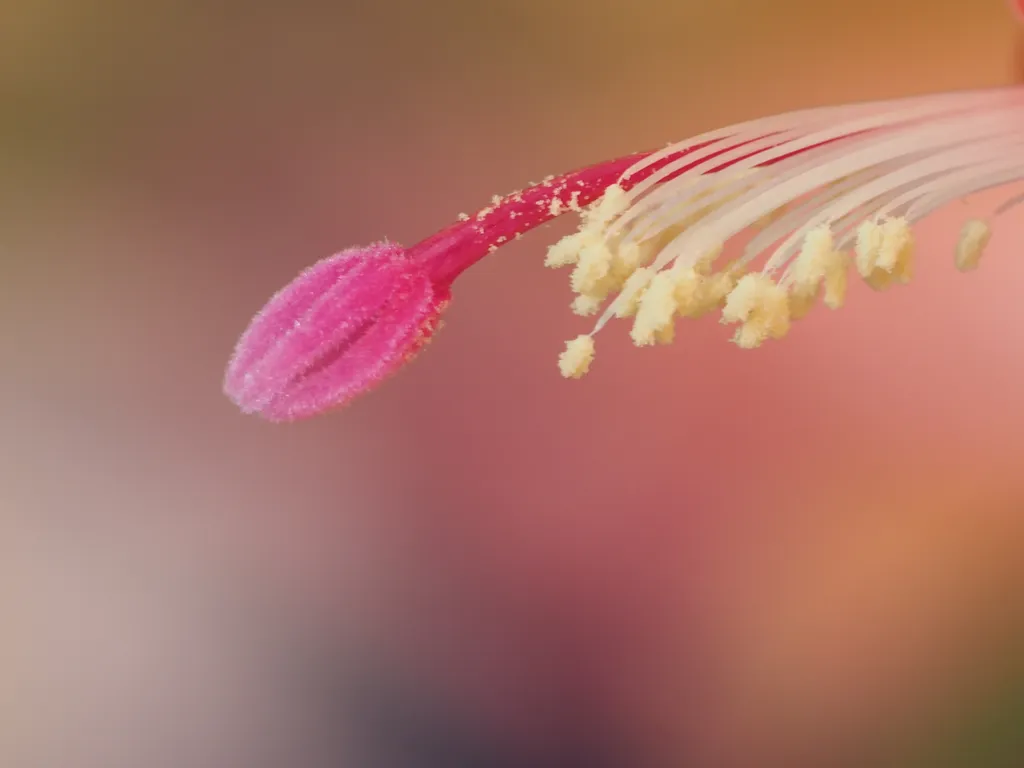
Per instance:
{"type": "Point", "coordinates": [707, 556]}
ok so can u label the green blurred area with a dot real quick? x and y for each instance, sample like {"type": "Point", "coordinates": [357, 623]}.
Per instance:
{"type": "Point", "coordinates": [983, 730]}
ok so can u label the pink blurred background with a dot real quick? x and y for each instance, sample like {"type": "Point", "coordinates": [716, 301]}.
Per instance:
{"type": "Point", "coordinates": [707, 557]}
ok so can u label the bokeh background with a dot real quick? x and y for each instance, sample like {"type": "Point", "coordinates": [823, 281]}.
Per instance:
{"type": "Point", "coordinates": [807, 555]}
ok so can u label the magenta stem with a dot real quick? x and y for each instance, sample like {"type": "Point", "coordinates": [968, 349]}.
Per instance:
{"type": "Point", "coordinates": [455, 249]}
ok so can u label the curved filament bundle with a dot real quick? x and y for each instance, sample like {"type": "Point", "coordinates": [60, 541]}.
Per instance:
{"type": "Point", "coordinates": [821, 195]}
{"type": "Point", "coordinates": [825, 190]}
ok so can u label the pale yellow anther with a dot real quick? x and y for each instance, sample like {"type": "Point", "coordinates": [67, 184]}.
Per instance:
{"type": "Point", "coordinates": [974, 238]}
{"type": "Point", "coordinates": [743, 299]}
{"type": "Point", "coordinates": [762, 306]}
{"type": "Point", "coordinates": [885, 252]}
{"type": "Point", "coordinates": [591, 234]}
{"type": "Point", "coordinates": [657, 309]}
{"type": "Point", "coordinates": [809, 266]}
{"type": "Point", "coordinates": [897, 252]}
{"type": "Point", "coordinates": [690, 290]}
{"type": "Point", "coordinates": [697, 289]}
{"type": "Point", "coordinates": [566, 251]}
{"type": "Point", "coordinates": [869, 245]}
{"type": "Point", "coordinates": [586, 305]}
{"type": "Point", "coordinates": [612, 204]}
{"type": "Point", "coordinates": [594, 264]}
{"type": "Point", "coordinates": [836, 280]}
{"type": "Point", "coordinates": [628, 302]}
{"type": "Point", "coordinates": [715, 291]}
{"type": "Point", "coordinates": [750, 335]}
{"type": "Point", "coordinates": [706, 263]}
{"type": "Point", "coordinates": [628, 258]}
{"type": "Point", "coordinates": [736, 269]}
{"type": "Point", "coordinates": [575, 361]}
{"type": "Point", "coordinates": [817, 263]}
{"type": "Point", "coordinates": [880, 280]}
{"type": "Point", "coordinates": [801, 302]}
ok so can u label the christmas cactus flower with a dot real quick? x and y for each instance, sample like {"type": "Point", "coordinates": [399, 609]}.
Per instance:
{"type": "Point", "coordinates": [804, 201]}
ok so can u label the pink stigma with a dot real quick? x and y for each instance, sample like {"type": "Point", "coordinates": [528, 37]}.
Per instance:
{"type": "Point", "coordinates": [338, 329]}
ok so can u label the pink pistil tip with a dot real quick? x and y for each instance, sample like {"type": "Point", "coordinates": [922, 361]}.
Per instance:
{"type": "Point", "coordinates": [338, 329]}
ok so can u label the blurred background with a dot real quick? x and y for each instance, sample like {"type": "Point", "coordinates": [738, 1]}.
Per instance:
{"type": "Point", "coordinates": [807, 555]}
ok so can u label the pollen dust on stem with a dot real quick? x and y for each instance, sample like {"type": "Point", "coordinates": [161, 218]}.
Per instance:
{"type": "Point", "coordinates": [814, 193]}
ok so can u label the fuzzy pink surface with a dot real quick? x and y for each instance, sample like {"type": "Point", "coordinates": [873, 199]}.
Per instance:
{"type": "Point", "coordinates": [342, 326]}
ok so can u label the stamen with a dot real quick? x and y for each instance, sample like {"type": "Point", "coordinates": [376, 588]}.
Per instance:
{"type": "Point", "coordinates": [657, 308]}
{"type": "Point", "coordinates": [816, 260]}
{"type": "Point", "coordinates": [973, 238]}
{"type": "Point", "coordinates": [574, 362]}
{"type": "Point", "coordinates": [632, 292]}
{"type": "Point", "coordinates": [834, 165]}
{"type": "Point", "coordinates": [761, 306]}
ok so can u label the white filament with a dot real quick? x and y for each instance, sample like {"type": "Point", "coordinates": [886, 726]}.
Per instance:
{"type": "Point", "coordinates": [731, 218]}
{"type": "Point", "coordinates": [754, 153]}
{"type": "Point", "coordinates": [792, 219]}
{"type": "Point", "coordinates": [873, 159]}
{"type": "Point", "coordinates": [1009, 205]}
{"type": "Point", "coordinates": [925, 198]}
{"type": "Point", "coordinates": [1007, 170]}
{"type": "Point", "coordinates": [962, 156]}
{"type": "Point", "coordinates": [804, 119]}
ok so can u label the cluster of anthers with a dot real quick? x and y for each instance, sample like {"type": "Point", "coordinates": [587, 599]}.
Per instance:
{"type": "Point", "coordinates": [820, 193]}
{"type": "Point", "coordinates": [814, 195]}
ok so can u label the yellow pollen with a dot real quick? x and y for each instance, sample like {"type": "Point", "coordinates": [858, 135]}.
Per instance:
{"type": "Point", "coordinates": [594, 263]}
{"type": "Point", "coordinates": [817, 263]}
{"type": "Point", "coordinates": [586, 305]}
{"type": "Point", "coordinates": [706, 262]}
{"type": "Point", "coordinates": [632, 292]}
{"type": "Point", "coordinates": [566, 251]}
{"type": "Point", "coordinates": [657, 308]}
{"type": "Point", "coordinates": [606, 208]}
{"type": "Point", "coordinates": [610, 258]}
{"type": "Point", "coordinates": [974, 238]}
{"type": "Point", "coordinates": [885, 252]}
{"type": "Point", "coordinates": [628, 258]}
{"type": "Point", "coordinates": [897, 253]}
{"type": "Point", "coordinates": [869, 244]}
{"type": "Point", "coordinates": [575, 361]}
{"type": "Point", "coordinates": [690, 291]}
{"type": "Point", "coordinates": [761, 306]}
{"type": "Point", "coordinates": [836, 280]}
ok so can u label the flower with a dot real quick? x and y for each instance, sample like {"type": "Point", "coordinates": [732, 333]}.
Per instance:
{"type": "Point", "coordinates": [816, 191]}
